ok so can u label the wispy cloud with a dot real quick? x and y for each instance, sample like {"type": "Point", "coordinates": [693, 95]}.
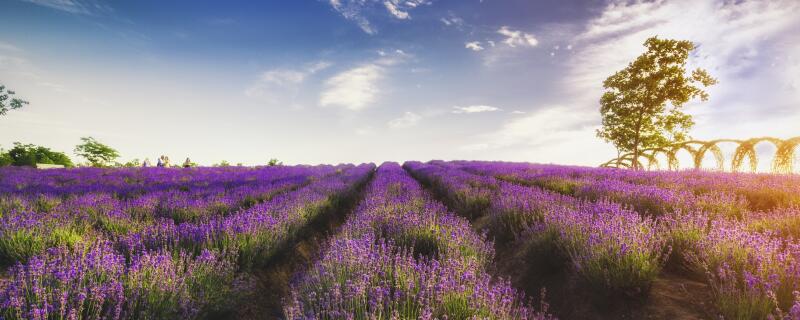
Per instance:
{"type": "Point", "coordinates": [474, 109]}
{"type": "Point", "coordinates": [358, 11]}
{"type": "Point", "coordinates": [283, 85]}
{"type": "Point", "coordinates": [352, 10]}
{"type": "Point", "coordinates": [452, 20]}
{"type": "Point", "coordinates": [729, 36]}
{"type": "Point", "coordinates": [395, 11]}
{"type": "Point", "coordinates": [474, 46]}
{"type": "Point", "coordinates": [84, 7]}
{"type": "Point", "coordinates": [409, 119]}
{"type": "Point", "coordinates": [737, 43]}
{"type": "Point", "coordinates": [359, 87]}
{"type": "Point", "coordinates": [517, 38]}
{"type": "Point", "coordinates": [546, 125]}
{"type": "Point", "coordinates": [354, 89]}
{"type": "Point", "coordinates": [504, 47]}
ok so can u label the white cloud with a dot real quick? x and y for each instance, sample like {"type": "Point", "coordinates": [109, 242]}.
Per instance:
{"type": "Point", "coordinates": [395, 11]}
{"type": "Point", "coordinates": [283, 85]}
{"type": "Point", "coordinates": [358, 10]}
{"type": "Point", "coordinates": [357, 88]}
{"type": "Point", "coordinates": [737, 41]}
{"type": "Point", "coordinates": [474, 109]}
{"type": "Point", "coordinates": [516, 38]}
{"type": "Point", "coordinates": [728, 35]}
{"type": "Point", "coordinates": [551, 124]}
{"type": "Point", "coordinates": [354, 89]}
{"type": "Point", "coordinates": [452, 21]}
{"type": "Point", "coordinates": [85, 7]}
{"type": "Point", "coordinates": [351, 10]}
{"type": "Point", "coordinates": [474, 46]}
{"type": "Point", "coordinates": [409, 119]}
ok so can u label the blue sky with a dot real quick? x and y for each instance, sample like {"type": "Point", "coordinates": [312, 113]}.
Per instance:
{"type": "Point", "coordinates": [331, 81]}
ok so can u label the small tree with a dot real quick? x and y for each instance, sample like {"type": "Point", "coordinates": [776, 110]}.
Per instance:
{"type": "Point", "coordinates": [223, 163]}
{"type": "Point", "coordinates": [5, 104]}
{"type": "Point", "coordinates": [131, 164]}
{"type": "Point", "coordinates": [641, 107]}
{"type": "Point", "coordinates": [5, 159]}
{"type": "Point", "coordinates": [98, 154]}
{"type": "Point", "coordinates": [274, 162]}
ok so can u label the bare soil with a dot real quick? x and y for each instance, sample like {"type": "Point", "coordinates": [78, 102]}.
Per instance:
{"type": "Point", "coordinates": [675, 294]}
{"type": "Point", "coordinates": [270, 284]}
{"type": "Point", "coordinates": [672, 295]}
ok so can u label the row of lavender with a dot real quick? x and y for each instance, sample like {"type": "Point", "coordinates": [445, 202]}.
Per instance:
{"type": "Point", "coordinates": [733, 195]}
{"type": "Point", "coordinates": [132, 181]}
{"type": "Point", "coordinates": [621, 234]}
{"type": "Point", "coordinates": [150, 265]}
{"type": "Point", "coordinates": [66, 213]}
{"type": "Point", "coordinates": [402, 255]}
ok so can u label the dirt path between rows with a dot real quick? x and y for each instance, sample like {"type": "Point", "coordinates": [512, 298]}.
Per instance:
{"type": "Point", "coordinates": [672, 295]}
{"type": "Point", "coordinates": [272, 281]}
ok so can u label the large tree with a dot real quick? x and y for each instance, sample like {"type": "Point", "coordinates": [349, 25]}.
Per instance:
{"type": "Point", "coordinates": [98, 154]}
{"type": "Point", "coordinates": [642, 104]}
{"type": "Point", "coordinates": [5, 104]}
{"type": "Point", "coordinates": [30, 155]}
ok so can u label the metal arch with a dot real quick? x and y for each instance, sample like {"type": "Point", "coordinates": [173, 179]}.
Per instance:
{"type": "Point", "coordinates": [783, 160]}
{"type": "Point", "coordinates": [747, 149]}
{"type": "Point", "coordinates": [712, 146]}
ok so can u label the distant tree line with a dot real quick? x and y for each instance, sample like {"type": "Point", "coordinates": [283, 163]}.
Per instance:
{"type": "Point", "coordinates": [96, 153]}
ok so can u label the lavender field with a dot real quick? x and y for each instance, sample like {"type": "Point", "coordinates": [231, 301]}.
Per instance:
{"type": "Point", "coordinates": [436, 240]}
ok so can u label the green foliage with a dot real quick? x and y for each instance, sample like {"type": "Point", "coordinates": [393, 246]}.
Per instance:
{"type": "Point", "coordinates": [5, 159]}
{"type": "Point", "coordinates": [21, 244]}
{"type": "Point", "coordinates": [5, 104]}
{"type": "Point", "coordinates": [641, 107]}
{"type": "Point", "coordinates": [131, 164]}
{"type": "Point", "coordinates": [458, 307]}
{"type": "Point", "coordinates": [98, 154]}
{"type": "Point", "coordinates": [30, 155]}
{"type": "Point", "coordinates": [223, 163]}
{"type": "Point", "coordinates": [274, 162]}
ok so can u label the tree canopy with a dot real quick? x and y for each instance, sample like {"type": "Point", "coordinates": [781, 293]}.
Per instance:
{"type": "Point", "coordinates": [98, 154]}
{"type": "Point", "coordinates": [6, 104]}
{"type": "Point", "coordinates": [30, 155]}
{"type": "Point", "coordinates": [642, 105]}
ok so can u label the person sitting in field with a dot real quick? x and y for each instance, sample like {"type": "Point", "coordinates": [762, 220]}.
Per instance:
{"type": "Point", "coordinates": [160, 163]}
{"type": "Point", "coordinates": [146, 163]}
{"type": "Point", "coordinates": [187, 163]}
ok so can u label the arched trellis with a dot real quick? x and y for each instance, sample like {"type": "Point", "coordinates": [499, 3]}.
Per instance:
{"type": "Point", "coordinates": [782, 162]}
{"type": "Point", "coordinates": [784, 156]}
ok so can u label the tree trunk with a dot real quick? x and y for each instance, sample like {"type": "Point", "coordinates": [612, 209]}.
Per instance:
{"type": "Point", "coordinates": [635, 162]}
